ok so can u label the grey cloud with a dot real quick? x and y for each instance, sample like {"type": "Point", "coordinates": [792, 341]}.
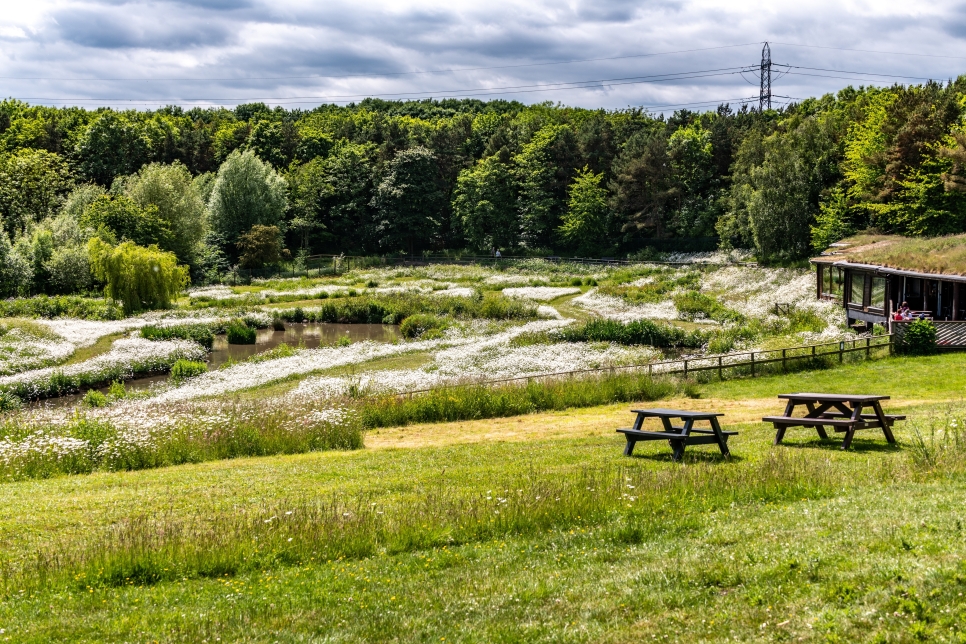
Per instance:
{"type": "Point", "coordinates": [243, 39]}
{"type": "Point", "coordinates": [126, 27]}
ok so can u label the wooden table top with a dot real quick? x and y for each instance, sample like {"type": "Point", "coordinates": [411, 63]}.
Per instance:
{"type": "Point", "coordinates": [676, 413]}
{"type": "Point", "coordinates": [809, 397]}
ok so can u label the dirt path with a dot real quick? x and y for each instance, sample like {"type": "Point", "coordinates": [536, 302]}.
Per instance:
{"type": "Point", "coordinates": [572, 423]}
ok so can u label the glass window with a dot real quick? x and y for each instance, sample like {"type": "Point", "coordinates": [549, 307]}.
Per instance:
{"type": "Point", "coordinates": [838, 281]}
{"type": "Point", "coordinates": [878, 293]}
{"type": "Point", "coordinates": [833, 280]}
{"type": "Point", "coordinates": [858, 289]}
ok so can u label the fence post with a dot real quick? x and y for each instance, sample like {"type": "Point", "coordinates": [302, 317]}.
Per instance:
{"type": "Point", "coordinates": [650, 369]}
{"type": "Point", "coordinates": [752, 364]}
{"type": "Point", "coordinates": [784, 361]}
{"type": "Point", "coordinates": [841, 351]}
{"type": "Point", "coordinates": [685, 368]}
{"type": "Point", "coordinates": [719, 369]}
{"type": "Point", "coordinates": [867, 347]}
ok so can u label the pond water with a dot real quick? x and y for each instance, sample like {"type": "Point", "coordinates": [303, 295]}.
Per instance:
{"type": "Point", "coordinates": [311, 335]}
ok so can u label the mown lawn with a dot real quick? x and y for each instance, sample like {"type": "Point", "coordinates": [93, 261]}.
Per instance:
{"type": "Point", "coordinates": [797, 543]}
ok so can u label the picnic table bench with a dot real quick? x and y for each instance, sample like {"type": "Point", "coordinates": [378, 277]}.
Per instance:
{"type": "Point", "coordinates": [677, 435]}
{"type": "Point", "coordinates": [840, 412]}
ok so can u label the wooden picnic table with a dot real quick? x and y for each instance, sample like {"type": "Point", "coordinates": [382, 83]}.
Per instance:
{"type": "Point", "coordinates": [677, 435]}
{"type": "Point", "coordinates": [841, 412]}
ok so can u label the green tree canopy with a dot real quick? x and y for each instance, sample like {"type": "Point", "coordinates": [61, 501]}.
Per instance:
{"type": "Point", "coordinates": [247, 192]}
{"type": "Point", "coordinates": [121, 219]}
{"type": "Point", "coordinates": [485, 203]}
{"type": "Point", "coordinates": [112, 145]}
{"type": "Point", "coordinates": [260, 246]}
{"type": "Point", "coordinates": [409, 200]}
{"type": "Point", "coordinates": [138, 277]}
{"type": "Point", "coordinates": [169, 188]}
{"type": "Point", "coordinates": [33, 185]}
{"type": "Point", "coordinates": [585, 226]}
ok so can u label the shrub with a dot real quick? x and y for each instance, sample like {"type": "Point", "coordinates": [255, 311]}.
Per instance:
{"type": "Point", "coordinates": [283, 350]}
{"type": "Point", "coordinates": [73, 306]}
{"type": "Point", "coordinates": [343, 341]}
{"type": "Point", "coordinates": [94, 398]}
{"type": "Point", "coordinates": [635, 332]}
{"type": "Point", "coordinates": [117, 391]}
{"type": "Point", "coordinates": [200, 333]}
{"type": "Point", "coordinates": [240, 333]}
{"type": "Point", "coordinates": [919, 338]}
{"type": "Point", "coordinates": [416, 325]}
{"type": "Point", "coordinates": [184, 369]}
{"type": "Point", "coordinates": [9, 402]}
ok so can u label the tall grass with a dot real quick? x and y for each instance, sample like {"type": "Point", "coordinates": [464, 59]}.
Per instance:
{"type": "Point", "coordinates": [74, 306]}
{"type": "Point", "coordinates": [471, 402]}
{"type": "Point", "coordinates": [630, 503]}
{"type": "Point", "coordinates": [200, 333]}
{"type": "Point", "coordinates": [643, 332]}
{"type": "Point", "coordinates": [393, 309]}
{"type": "Point", "coordinates": [86, 444]}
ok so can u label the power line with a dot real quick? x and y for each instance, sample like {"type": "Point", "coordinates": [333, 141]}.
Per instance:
{"type": "Point", "coordinates": [844, 71]}
{"type": "Point", "coordinates": [484, 91]}
{"type": "Point", "coordinates": [369, 75]}
{"type": "Point", "coordinates": [873, 51]}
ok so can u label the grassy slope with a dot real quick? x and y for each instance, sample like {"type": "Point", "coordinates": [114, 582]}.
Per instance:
{"type": "Point", "coordinates": [881, 555]}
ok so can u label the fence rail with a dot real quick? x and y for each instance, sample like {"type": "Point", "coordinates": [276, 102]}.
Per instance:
{"type": "Point", "coordinates": [754, 360]}
{"type": "Point", "coordinates": [949, 334]}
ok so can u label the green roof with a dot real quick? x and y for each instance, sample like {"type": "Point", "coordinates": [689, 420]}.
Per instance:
{"type": "Point", "coordinates": [936, 255]}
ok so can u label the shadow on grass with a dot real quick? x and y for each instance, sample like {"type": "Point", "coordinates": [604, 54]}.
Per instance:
{"type": "Point", "coordinates": [690, 456]}
{"type": "Point", "coordinates": [860, 445]}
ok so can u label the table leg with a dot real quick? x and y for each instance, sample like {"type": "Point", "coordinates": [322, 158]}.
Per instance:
{"type": "Point", "coordinates": [779, 435]}
{"type": "Point", "coordinates": [722, 439]}
{"type": "Point", "coordinates": [629, 448]}
{"type": "Point", "coordinates": [877, 406]}
{"type": "Point", "coordinates": [856, 418]}
{"type": "Point", "coordinates": [789, 412]}
{"type": "Point", "coordinates": [677, 447]}
{"type": "Point", "coordinates": [639, 422]}
{"type": "Point", "coordinates": [819, 428]}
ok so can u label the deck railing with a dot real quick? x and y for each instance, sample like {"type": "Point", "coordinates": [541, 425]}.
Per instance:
{"type": "Point", "coordinates": [755, 362]}
{"type": "Point", "coordinates": [949, 334]}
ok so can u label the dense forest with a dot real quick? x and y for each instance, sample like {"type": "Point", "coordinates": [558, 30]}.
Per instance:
{"type": "Point", "coordinates": [82, 192]}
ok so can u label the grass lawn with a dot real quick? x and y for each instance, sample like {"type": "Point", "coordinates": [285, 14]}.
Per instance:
{"type": "Point", "coordinates": [532, 528]}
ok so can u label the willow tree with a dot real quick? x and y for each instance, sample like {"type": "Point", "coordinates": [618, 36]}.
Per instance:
{"type": "Point", "coordinates": [141, 278]}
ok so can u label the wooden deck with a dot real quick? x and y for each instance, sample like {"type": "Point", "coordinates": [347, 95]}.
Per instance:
{"type": "Point", "coordinates": [949, 335]}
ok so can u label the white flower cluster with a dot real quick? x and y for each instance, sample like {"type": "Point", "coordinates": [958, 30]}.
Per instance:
{"type": "Point", "coordinates": [614, 308]}
{"type": "Point", "coordinates": [457, 291]}
{"type": "Point", "coordinates": [131, 355]}
{"type": "Point", "coordinates": [713, 257]}
{"type": "Point", "coordinates": [540, 293]}
{"type": "Point", "coordinates": [42, 445]}
{"type": "Point", "coordinates": [755, 291]}
{"type": "Point", "coordinates": [515, 280]}
{"type": "Point", "coordinates": [22, 351]}
{"type": "Point", "coordinates": [479, 359]}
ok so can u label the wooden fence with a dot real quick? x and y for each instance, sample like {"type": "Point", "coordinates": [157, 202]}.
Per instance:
{"type": "Point", "coordinates": [755, 362]}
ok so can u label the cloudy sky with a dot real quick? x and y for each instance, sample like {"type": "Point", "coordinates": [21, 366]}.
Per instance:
{"type": "Point", "coordinates": [660, 54]}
